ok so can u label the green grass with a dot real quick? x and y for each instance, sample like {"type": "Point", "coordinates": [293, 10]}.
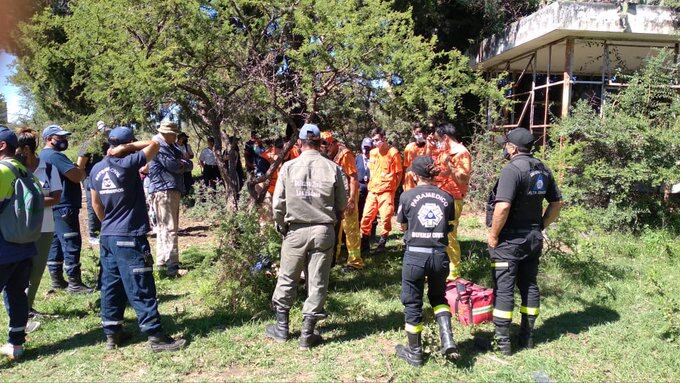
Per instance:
{"type": "Point", "coordinates": [609, 313]}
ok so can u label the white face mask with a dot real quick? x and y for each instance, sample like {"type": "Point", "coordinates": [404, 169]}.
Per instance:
{"type": "Point", "coordinates": [440, 145]}
{"type": "Point", "coordinates": [419, 138]}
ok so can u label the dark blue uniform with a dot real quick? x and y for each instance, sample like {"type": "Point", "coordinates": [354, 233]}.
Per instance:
{"type": "Point", "coordinates": [524, 183]}
{"type": "Point", "coordinates": [428, 212]}
{"type": "Point", "coordinates": [67, 242]}
{"type": "Point", "coordinates": [125, 255]}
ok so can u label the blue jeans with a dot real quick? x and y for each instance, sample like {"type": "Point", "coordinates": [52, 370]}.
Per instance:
{"type": "Point", "coordinates": [127, 272]}
{"type": "Point", "coordinates": [14, 281]}
{"type": "Point", "coordinates": [93, 224]}
{"type": "Point", "coordinates": [65, 249]}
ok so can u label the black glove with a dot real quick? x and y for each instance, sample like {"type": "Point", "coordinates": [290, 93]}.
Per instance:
{"type": "Point", "coordinates": [283, 230]}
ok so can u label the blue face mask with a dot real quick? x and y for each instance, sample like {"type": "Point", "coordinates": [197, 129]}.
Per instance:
{"type": "Point", "coordinates": [506, 154]}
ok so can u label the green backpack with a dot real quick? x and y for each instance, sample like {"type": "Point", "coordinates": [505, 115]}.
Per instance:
{"type": "Point", "coordinates": [22, 214]}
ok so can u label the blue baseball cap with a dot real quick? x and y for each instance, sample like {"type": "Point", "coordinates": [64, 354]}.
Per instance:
{"type": "Point", "coordinates": [7, 135]}
{"type": "Point", "coordinates": [309, 132]}
{"type": "Point", "coordinates": [367, 143]}
{"type": "Point", "coordinates": [54, 130]}
{"type": "Point", "coordinates": [121, 135]}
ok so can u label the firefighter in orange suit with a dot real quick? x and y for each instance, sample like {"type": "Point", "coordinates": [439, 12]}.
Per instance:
{"type": "Point", "coordinates": [344, 157]}
{"type": "Point", "coordinates": [420, 147]}
{"type": "Point", "coordinates": [455, 165]}
{"type": "Point", "coordinates": [386, 172]}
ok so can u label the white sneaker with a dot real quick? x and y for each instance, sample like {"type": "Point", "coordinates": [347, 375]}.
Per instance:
{"type": "Point", "coordinates": [11, 351]}
{"type": "Point", "coordinates": [94, 241]}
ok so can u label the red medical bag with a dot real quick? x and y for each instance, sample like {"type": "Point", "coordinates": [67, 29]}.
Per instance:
{"type": "Point", "coordinates": [473, 304]}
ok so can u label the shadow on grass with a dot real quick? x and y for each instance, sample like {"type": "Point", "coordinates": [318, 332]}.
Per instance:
{"type": "Point", "coordinates": [552, 329]}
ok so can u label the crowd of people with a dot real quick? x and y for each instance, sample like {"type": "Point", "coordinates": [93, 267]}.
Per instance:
{"type": "Point", "coordinates": [320, 193]}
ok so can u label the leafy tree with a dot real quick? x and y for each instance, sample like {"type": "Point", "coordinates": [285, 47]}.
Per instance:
{"type": "Point", "coordinates": [3, 110]}
{"type": "Point", "coordinates": [236, 63]}
{"type": "Point", "coordinates": [620, 166]}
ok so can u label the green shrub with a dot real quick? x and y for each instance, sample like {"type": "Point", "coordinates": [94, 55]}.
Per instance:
{"type": "Point", "coordinates": [618, 166]}
{"type": "Point", "coordinates": [239, 279]}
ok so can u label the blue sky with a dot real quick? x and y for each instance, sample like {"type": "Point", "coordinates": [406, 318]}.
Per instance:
{"type": "Point", "coordinates": [11, 93]}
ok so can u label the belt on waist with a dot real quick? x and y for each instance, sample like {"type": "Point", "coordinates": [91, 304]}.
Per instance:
{"type": "Point", "coordinates": [425, 250]}
{"type": "Point", "coordinates": [524, 230]}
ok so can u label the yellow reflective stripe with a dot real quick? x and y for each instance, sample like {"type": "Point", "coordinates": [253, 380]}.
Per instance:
{"type": "Point", "coordinates": [414, 329]}
{"type": "Point", "coordinates": [500, 265]}
{"type": "Point", "coordinates": [441, 309]}
{"type": "Point", "coordinates": [482, 310]}
{"type": "Point", "coordinates": [528, 310]}
{"type": "Point", "coordinates": [502, 314]}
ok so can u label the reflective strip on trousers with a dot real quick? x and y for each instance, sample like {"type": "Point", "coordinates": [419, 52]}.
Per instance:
{"type": "Point", "coordinates": [482, 310]}
{"type": "Point", "coordinates": [125, 243]}
{"type": "Point", "coordinates": [424, 250]}
{"type": "Point", "coordinates": [112, 322]}
{"type": "Point", "coordinates": [528, 310]}
{"type": "Point", "coordinates": [500, 265]}
{"type": "Point", "coordinates": [71, 235]}
{"type": "Point", "coordinates": [54, 263]}
{"type": "Point", "coordinates": [142, 270]}
{"type": "Point", "coordinates": [441, 309]}
{"type": "Point", "coordinates": [17, 329]}
{"type": "Point", "coordinates": [502, 314]}
{"type": "Point", "coordinates": [414, 329]}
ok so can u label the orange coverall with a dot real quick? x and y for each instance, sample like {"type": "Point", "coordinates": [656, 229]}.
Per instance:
{"type": "Point", "coordinates": [386, 170]}
{"type": "Point", "coordinates": [350, 221]}
{"type": "Point", "coordinates": [454, 157]}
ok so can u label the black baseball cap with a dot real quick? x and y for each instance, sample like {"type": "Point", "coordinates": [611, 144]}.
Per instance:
{"type": "Point", "coordinates": [520, 137]}
{"type": "Point", "coordinates": [423, 166]}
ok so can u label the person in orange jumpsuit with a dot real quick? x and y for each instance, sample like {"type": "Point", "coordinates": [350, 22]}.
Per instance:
{"type": "Point", "coordinates": [455, 165]}
{"type": "Point", "coordinates": [344, 157]}
{"type": "Point", "coordinates": [420, 147]}
{"type": "Point", "coordinates": [386, 172]}
{"type": "Point", "coordinates": [271, 155]}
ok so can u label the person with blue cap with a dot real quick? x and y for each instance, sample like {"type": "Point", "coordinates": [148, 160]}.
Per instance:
{"type": "Point", "coordinates": [308, 200]}
{"type": "Point", "coordinates": [16, 259]}
{"type": "Point", "coordinates": [124, 251]}
{"type": "Point", "coordinates": [67, 242]}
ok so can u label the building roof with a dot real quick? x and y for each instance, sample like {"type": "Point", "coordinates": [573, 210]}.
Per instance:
{"type": "Point", "coordinates": [635, 30]}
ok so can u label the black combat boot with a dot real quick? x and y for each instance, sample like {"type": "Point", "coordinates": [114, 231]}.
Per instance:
{"type": "Point", "coordinates": [502, 340]}
{"type": "Point", "coordinates": [526, 331]}
{"type": "Point", "coordinates": [413, 353]}
{"type": "Point", "coordinates": [161, 342]}
{"type": "Point", "coordinates": [308, 336]}
{"type": "Point", "coordinates": [58, 281]}
{"type": "Point", "coordinates": [449, 348]}
{"type": "Point", "coordinates": [76, 286]}
{"type": "Point", "coordinates": [381, 245]}
{"type": "Point", "coordinates": [279, 330]}
{"type": "Point", "coordinates": [365, 246]}
{"type": "Point", "coordinates": [115, 340]}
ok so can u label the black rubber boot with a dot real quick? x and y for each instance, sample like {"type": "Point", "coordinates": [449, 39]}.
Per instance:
{"type": "Point", "coordinates": [279, 330]}
{"type": "Point", "coordinates": [449, 348]}
{"type": "Point", "coordinates": [526, 331]}
{"type": "Point", "coordinates": [413, 352]}
{"type": "Point", "coordinates": [76, 286]}
{"type": "Point", "coordinates": [161, 342]}
{"type": "Point", "coordinates": [381, 245]}
{"type": "Point", "coordinates": [308, 336]}
{"type": "Point", "coordinates": [58, 281]}
{"type": "Point", "coordinates": [365, 246]}
{"type": "Point", "coordinates": [113, 341]}
{"type": "Point", "coordinates": [502, 340]}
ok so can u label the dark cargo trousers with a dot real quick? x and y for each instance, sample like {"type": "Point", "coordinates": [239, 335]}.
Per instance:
{"type": "Point", "coordinates": [421, 262]}
{"type": "Point", "coordinates": [515, 262]}
{"type": "Point", "coordinates": [127, 274]}
{"type": "Point", "coordinates": [65, 250]}
{"type": "Point", "coordinates": [311, 248]}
